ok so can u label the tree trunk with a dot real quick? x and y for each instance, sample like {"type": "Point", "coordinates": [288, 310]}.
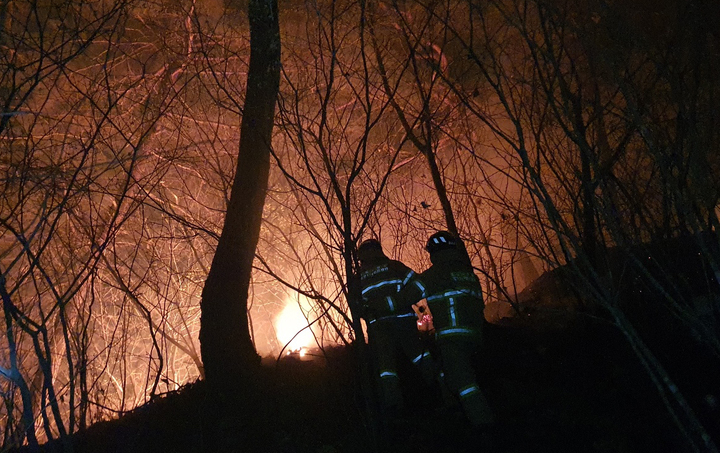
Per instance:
{"type": "Point", "coordinates": [13, 374]}
{"type": "Point", "coordinates": [228, 353]}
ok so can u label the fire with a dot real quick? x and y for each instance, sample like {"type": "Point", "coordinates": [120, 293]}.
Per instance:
{"type": "Point", "coordinates": [291, 328]}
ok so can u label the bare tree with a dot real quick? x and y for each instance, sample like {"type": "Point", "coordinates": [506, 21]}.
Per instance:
{"type": "Point", "coordinates": [580, 143]}
{"type": "Point", "coordinates": [82, 114]}
{"type": "Point", "coordinates": [228, 353]}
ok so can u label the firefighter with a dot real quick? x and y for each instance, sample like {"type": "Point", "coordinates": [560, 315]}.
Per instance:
{"type": "Point", "coordinates": [454, 297]}
{"type": "Point", "coordinates": [391, 326]}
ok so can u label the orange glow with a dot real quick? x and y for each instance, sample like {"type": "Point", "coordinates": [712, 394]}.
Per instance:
{"type": "Point", "coordinates": [291, 328]}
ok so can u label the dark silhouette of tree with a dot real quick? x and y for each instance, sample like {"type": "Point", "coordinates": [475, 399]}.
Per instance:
{"type": "Point", "coordinates": [228, 353]}
{"type": "Point", "coordinates": [572, 101]}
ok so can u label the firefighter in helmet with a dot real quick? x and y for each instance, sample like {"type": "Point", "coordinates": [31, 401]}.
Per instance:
{"type": "Point", "coordinates": [391, 326]}
{"type": "Point", "coordinates": [454, 297]}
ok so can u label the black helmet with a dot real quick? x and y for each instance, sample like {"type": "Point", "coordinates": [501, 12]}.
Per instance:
{"type": "Point", "coordinates": [441, 240]}
{"type": "Point", "coordinates": [369, 249]}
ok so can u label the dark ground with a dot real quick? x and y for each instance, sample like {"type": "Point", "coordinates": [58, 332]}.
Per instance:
{"type": "Point", "coordinates": [575, 388]}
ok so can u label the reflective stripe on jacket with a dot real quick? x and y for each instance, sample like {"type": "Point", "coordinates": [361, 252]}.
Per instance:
{"type": "Point", "coordinates": [453, 294]}
{"type": "Point", "coordinates": [380, 281]}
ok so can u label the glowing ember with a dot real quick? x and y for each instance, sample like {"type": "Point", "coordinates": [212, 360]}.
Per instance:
{"type": "Point", "coordinates": [292, 327]}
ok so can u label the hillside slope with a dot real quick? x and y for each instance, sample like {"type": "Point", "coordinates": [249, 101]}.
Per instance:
{"type": "Point", "coordinates": [571, 389]}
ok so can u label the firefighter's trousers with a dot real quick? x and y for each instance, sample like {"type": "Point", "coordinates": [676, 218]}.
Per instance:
{"type": "Point", "coordinates": [459, 375]}
{"type": "Point", "coordinates": [392, 340]}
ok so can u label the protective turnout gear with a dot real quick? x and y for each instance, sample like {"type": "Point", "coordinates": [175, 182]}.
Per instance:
{"type": "Point", "coordinates": [380, 283]}
{"type": "Point", "coordinates": [392, 331]}
{"type": "Point", "coordinates": [454, 296]}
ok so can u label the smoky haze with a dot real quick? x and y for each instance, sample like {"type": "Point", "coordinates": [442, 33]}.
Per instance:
{"type": "Point", "coordinates": [544, 134]}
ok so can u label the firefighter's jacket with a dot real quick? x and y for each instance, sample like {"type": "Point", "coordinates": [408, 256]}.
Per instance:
{"type": "Point", "coordinates": [453, 294]}
{"type": "Point", "coordinates": [381, 279]}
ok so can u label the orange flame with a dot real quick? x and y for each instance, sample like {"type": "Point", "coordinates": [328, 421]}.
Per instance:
{"type": "Point", "coordinates": [291, 328]}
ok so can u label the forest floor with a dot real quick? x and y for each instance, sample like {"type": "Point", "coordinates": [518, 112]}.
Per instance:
{"type": "Point", "coordinates": [574, 388]}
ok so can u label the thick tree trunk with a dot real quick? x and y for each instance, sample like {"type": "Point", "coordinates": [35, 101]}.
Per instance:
{"type": "Point", "coordinates": [228, 354]}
